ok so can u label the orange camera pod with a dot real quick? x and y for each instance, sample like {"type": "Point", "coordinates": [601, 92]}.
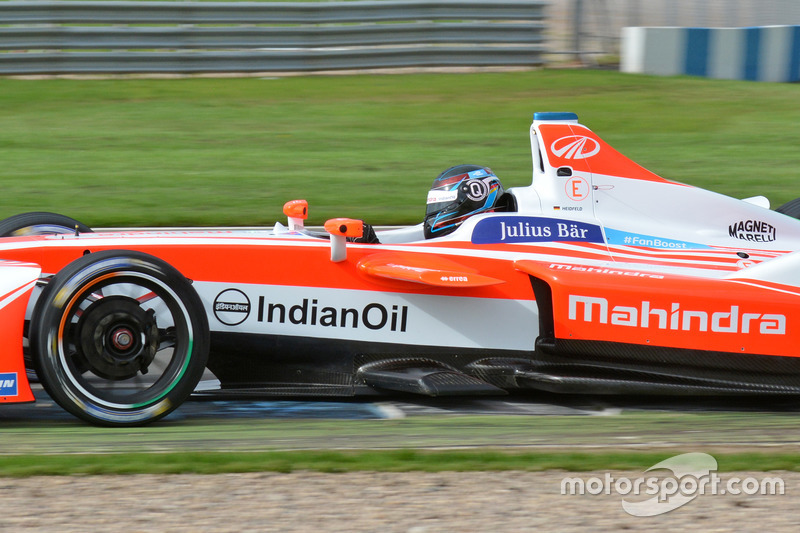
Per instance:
{"type": "Point", "coordinates": [297, 212]}
{"type": "Point", "coordinates": [340, 229]}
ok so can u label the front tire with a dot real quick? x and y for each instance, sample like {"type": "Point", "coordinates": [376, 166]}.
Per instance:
{"type": "Point", "coordinates": [119, 338]}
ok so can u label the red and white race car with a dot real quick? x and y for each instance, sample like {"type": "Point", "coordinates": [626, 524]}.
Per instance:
{"type": "Point", "coordinates": [598, 277]}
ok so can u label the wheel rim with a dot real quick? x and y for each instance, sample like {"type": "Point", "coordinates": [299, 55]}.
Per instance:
{"type": "Point", "coordinates": [42, 229]}
{"type": "Point", "coordinates": [116, 337]}
{"type": "Point", "coordinates": [124, 340]}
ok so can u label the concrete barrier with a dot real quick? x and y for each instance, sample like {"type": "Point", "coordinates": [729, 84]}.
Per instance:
{"type": "Point", "coordinates": [769, 53]}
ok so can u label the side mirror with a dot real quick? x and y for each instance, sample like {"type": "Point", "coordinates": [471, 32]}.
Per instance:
{"type": "Point", "coordinates": [297, 212]}
{"type": "Point", "coordinates": [340, 229]}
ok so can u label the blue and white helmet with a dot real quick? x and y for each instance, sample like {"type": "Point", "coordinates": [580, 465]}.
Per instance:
{"type": "Point", "coordinates": [458, 193]}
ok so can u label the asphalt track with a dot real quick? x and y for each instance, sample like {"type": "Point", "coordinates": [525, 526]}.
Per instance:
{"type": "Point", "coordinates": [201, 407]}
{"type": "Point", "coordinates": [541, 421]}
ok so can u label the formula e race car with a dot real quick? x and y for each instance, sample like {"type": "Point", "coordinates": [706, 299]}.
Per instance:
{"type": "Point", "coordinates": [599, 277]}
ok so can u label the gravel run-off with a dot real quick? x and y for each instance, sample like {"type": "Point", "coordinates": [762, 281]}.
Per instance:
{"type": "Point", "coordinates": [412, 502]}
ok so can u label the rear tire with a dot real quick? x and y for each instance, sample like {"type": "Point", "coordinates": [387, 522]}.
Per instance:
{"type": "Point", "coordinates": [40, 223]}
{"type": "Point", "coordinates": [791, 208]}
{"type": "Point", "coordinates": [119, 338]}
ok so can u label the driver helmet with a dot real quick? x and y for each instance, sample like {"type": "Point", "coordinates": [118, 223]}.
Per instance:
{"type": "Point", "coordinates": [458, 193]}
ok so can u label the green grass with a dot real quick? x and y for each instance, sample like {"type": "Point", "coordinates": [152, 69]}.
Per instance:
{"type": "Point", "coordinates": [630, 441]}
{"type": "Point", "coordinates": [232, 151]}
{"type": "Point", "coordinates": [378, 461]}
{"type": "Point", "coordinates": [645, 429]}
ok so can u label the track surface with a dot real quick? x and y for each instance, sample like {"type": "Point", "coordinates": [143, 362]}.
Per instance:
{"type": "Point", "coordinates": [542, 421]}
{"type": "Point", "coordinates": [397, 502]}
{"type": "Point", "coordinates": [203, 408]}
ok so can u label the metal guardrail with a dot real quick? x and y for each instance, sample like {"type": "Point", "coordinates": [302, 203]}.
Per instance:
{"type": "Point", "coordinates": [59, 12]}
{"type": "Point", "coordinates": [116, 37]}
{"type": "Point", "coordinates": [184, 37]}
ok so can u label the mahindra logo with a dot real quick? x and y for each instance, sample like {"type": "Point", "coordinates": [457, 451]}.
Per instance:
{"type": "Point", "coordinates": [575, 147]}
{"type": "Point", "coordinates": [731, 320]}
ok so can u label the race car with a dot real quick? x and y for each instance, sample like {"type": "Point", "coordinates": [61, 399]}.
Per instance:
{"type": "Point", "coordinates": [599, 277]}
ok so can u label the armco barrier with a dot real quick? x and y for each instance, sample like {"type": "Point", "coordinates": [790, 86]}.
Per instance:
{"type": "Point", "coordinates": [769, 53]}
{"type": "Point", "coordinates": [68, 37]}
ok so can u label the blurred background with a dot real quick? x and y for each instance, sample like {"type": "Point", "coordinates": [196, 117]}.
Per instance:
{"type": "Point", "coordinates": [216, 113]}
{"type": "Point", "coordinates": [589, 30]}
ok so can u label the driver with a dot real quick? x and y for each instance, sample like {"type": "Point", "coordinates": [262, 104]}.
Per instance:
{"type": "Point", "coordinates": [458, 193]}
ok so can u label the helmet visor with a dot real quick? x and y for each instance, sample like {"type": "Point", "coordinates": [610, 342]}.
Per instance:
{"type": "Point", "coordinates": [438, 200]}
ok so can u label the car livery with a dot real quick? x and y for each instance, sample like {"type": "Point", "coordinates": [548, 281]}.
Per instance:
{"type": "Point", "coordinates": [599, 277]}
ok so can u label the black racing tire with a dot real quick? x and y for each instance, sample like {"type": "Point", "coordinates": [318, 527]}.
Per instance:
{"type": "Point", "coordinates": [119, 338]}
{"type": "Point", "coordinates": [40, 223]}
{"type": "Point", "coordinates": [791, 208]}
